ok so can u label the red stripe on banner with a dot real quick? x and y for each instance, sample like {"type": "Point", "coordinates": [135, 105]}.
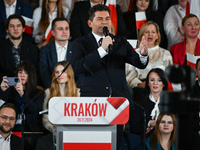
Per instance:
{"type": "Point", "coordinates": [28, 29]}
{"type": "Point", "coordinates": [116, 102]}
{"type": "Point", "coordinates": [86, 146]}
{"type": "Point", "coordinates": [122, 118]}
{"type": "Point", "coordinates": [191, 64]}
{"type": "Point", "coordinates": [48, 36]}
{"type": "Point", "coordinates": [187, 8]}
{"type": "Point", "coordinates": [19, 134]}
{"type": "Point", "coordinates": [130, 5]}
{"type": "Point", "coordinates": [139, 24]}
{"type": "Point", "coordinates": [113, 16]}
{"type": "Point", "coordinates": [170, 87]}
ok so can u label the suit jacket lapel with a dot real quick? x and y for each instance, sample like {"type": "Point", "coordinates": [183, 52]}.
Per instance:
{"type": "Point", "coordinates": [53, 53]}
{"type": "Point", "coordinates": [18, 8]}
{"type": "Point", "coordinates": [3, 11]}
{"type": "Point", "coordinates": [181, 52]}
{"type": "Point", "coordinates": [69, 52]}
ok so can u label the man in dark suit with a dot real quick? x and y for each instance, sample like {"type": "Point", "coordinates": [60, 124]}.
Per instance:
{"type": "Point", "coordinates": [78, 23]}
{"type": "Point", "coordinates": [103, 70]}
{"type": "Point", "coordinates": [11, 7]}
{"type": "Point", "coordinates": [9, 141]}
{"type": "Point", "coordinates": [14, 50]}
{"type": "Point", "coordinates": [58, 50]}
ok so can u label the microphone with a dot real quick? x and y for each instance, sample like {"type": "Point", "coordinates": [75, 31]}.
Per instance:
{"type": "Point", "coordinates": [144, 113]}
{"type": "Point", "coordinates": [106, 33]}
{"type": "Point", "coordinates": [42, 112]}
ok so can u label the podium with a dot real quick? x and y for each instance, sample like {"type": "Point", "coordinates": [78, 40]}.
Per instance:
{"type": "Point", "coordinates": [87, 123]}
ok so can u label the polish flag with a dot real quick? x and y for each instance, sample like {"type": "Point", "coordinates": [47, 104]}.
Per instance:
{"type": "Point", "coordinates": [192, 7]}
{"type": "Point", "coordinates": [28, 25]}
{"type": "Point", "coordinates": [87, 140]}
{"type": "Point", "coordinates": [174, 87]}
{"type": "Point", "coordinates": [191, 60]}
{"type": "Point", "coordinates": [48, 33]}
{"type": "Point", "coordinates": [140, 19]}
{"type": "Point", "coordinates": [113, 13]}
{"type": "Point", "coordinates": [187, 7]}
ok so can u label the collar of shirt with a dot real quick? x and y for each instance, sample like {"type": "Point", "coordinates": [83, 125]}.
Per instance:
{"type": "Point", "coordinates": [58, 47]}
{"type": "Point", "coordinates": [91, 4]}
{"type": "Point", "coordinates": [97, 37]}
{"type": "Point", "coordinates": [8, 138]}
{"type": "Point", "coordinates": [54, 15]}
{"type": "Point", "coordinates": [13, 5]}
{"type": "Point", "coordinates": [155, 112]}
{"type": "Point", "coordinates": [180, 8]}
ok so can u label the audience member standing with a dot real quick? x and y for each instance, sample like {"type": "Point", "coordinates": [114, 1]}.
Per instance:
{"type": "Point", "coordinates": [10, 7]}
{"type": "Point", "coordinates": [151, 15]}
{"type": "Point", "coordinates": [164, 134]}
{"type": "Point", "coordinates": [191, 42]}
{"type": "Point", "coordinates": [20, 95]}
{"type": "Point", "coordinates": [58, 50]}
{"type": "Point", "coordinates": [173, 23]}
{"type": "Point", "coordinates": [15, 49]}
{"type": "Point", "coordinates": [43, 16]}
{"type": "Point", "coordinates": [79, 19]}
{"type": "Point", "coordinates": [148, 98]}
{"type": "Point", "coordinates": [158, 57]}
{"type": "Point", "coordinates": [9, 141]}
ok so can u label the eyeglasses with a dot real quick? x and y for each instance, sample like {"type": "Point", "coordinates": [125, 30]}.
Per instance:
{"type": "Point", "coordinates": [6, 117]}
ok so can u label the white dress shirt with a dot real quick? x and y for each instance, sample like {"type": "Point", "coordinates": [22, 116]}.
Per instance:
{"type": "Point", "coordinates": [173, 24]}
{"type": "Point", "coordinates": [10, 10]}
{"type": "Point", "coordinates": [5, 144]}
{"type": "Point", "coordinates": [61, 52]}
{"type": "Point", "coordinates": [37, 32]}
{"type": "Point", "coordinates": [155, 112]}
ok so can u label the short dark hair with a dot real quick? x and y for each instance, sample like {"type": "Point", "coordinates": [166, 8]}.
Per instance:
{"type": "Point", "coordinates": [198, 60]}
{"type": "Point", "coordinates": [187, 17]}
{"type": "Point", "coordinates": [9, 105]}
{"type": "Point", "coordinates": [58, 19]}
{"type": "Point", "coordinates": [95, 8]}
{"type": "Point", "coordinates": [15, 16]}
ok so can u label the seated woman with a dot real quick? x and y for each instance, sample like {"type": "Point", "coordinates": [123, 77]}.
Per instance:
{"type": "Point", "coordinates": [158, 57]}
{"type": "Point", "coordinates": [20, 95]}
{"type": "Point", "coordinates": [191, 43]}
{"type": "Point", "coordinates": [44, 15]}
{"type": "Point", "coordinates": [164, 134]}
{"type": "Point", "coordinates": [151, 15]}
{"type": "Point", "coordinates": [64, 86]}
{"type": "Point", "coordinates": [149, 99]}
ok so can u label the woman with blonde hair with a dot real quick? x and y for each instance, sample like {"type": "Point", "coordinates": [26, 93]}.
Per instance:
{"type": "Point", "coordinates": [164, 133]}
{"type": "Point", "coordinates": [158, 57]}
{"type": "Point", "coordinates": [64, 86]}
{"type": "Point", "coordinates": [43, 16]}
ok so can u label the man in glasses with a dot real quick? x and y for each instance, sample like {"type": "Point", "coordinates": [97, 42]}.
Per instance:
{"type": "Point", "coordinates": [8, 141]}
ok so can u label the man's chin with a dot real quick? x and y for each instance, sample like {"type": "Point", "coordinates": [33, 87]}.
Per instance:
{"type": "Point", "coordinates": [15, 38]}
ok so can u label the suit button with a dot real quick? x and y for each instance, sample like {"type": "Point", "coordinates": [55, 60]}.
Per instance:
{"type": "Point", "coordinates": [107, 88]}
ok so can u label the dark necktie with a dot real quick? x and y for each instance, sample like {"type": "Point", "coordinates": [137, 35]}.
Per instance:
{"type": "Point", "coordinates": [100, 42]}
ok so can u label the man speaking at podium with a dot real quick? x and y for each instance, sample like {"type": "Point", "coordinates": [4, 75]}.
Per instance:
{"type": "Point", "coordinates": [101, 62]}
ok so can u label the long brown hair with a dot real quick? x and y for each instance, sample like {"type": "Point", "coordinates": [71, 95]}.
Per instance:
{"type": "Point", "coordinates": [70, 84]}
{"type": "Point", "coordinates": [156, 135]}
{"type": "Point", "coordinates": [44, 21]}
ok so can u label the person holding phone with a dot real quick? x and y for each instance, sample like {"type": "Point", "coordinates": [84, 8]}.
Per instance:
{"type": "Point", "coordinates": [22, 93]}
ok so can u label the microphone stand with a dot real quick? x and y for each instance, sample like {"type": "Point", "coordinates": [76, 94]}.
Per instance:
{"type": "Point", "coordinates": [23, 115]}
{"type": "Point", "coordinates": [90, 71]}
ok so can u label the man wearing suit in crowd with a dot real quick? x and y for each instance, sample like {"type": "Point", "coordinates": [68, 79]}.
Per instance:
{"type": "Point", "coordinates": [80, 16]}
{"type": "Point", "coordinates": [58, 50]}
{"type": "Point", "coordinates": [14, 50]}
{"type": "Point", "coordinates": [103, 70]}
{"type": "Point", "coordinates": [9, 141]}
{"type": "Point", "coordinates": [10, 7]}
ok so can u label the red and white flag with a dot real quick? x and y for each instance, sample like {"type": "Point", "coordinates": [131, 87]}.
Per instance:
{"type": "Point", "coordinates": [174, 87]}
{"type": "Point", "coordinates": [192, 7]}
{"type": "Point", "coordinates": [113, 13]}
{"type": "Point", "coordinates": [87, 140]}
{"type": "Point", "coordinates": [191, 60]}
{"type": "Point", "coordinates": [140, 18]}
{"type": "Point", "coordinates": [28, 25]}
{"type": "Point", "coordinates": [48, 33]}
